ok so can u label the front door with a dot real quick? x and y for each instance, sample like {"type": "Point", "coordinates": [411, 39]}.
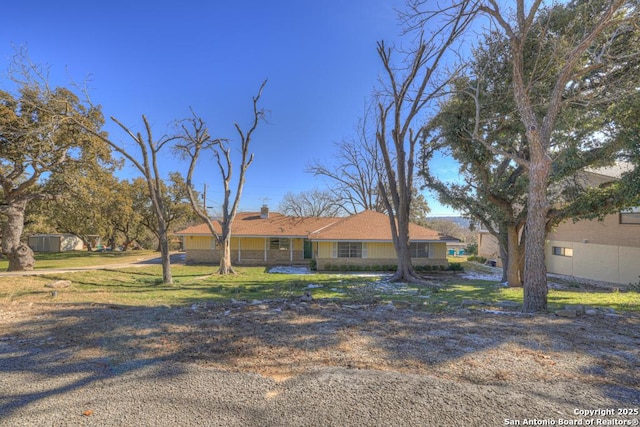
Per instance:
{"type": "Point", "coordinates": [308, 249]}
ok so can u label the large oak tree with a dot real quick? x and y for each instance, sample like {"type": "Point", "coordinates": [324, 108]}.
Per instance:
{"type": "Point", "coordinates": [588, 50]}
{"type": "Point", "coordinates": [39, 138]}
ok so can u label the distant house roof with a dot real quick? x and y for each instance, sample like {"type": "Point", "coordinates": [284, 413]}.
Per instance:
{"type": "Point", "coordinates": [614, 171]}
{"type": "Point", "coordinates": [365, 226]}
{"type": "Point", "coordinates": [450, 239]}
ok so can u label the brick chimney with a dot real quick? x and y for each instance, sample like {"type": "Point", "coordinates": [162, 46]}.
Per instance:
{"type": "Point", "coordinates": [264, 212]}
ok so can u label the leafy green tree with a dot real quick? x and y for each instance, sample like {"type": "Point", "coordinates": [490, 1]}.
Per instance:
{"type": "Point", "coordinates": [587, 43]}
{"type": "Point", "coordinates": [125, 219]}
{"type": "Point", "coordinates": [178, 211]}
{"type": "Point", "coordinates": [86, 205]}
{"type": "Point", "coordinates": [39, 138]}
{"type": "Point", "coordinates": [569, 67]}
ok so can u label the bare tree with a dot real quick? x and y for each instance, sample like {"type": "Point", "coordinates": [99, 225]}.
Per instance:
{"type": "Point", "coordinates": [146, 161]}
{"type": "Point", "coordinates": [408, 91]}
{"type": "Point", "coordinates": [355, 171]}
{"type": "Point", "coordinates": [196, 139]}
{"type": "Point", "coordinates": [319, 203]}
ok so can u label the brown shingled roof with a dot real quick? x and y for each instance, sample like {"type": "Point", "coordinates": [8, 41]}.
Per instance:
{"type": "Point", "coordinates": [371, 226]}
{"type": "Point", "coordinates": [250, 224]}
{"type": "Point", "coordinates": [365, 226]}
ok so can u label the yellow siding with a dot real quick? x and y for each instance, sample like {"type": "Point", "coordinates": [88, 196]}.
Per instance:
{"type": "Point", "coordinates": [198, 242]}
{"type": "Point", "coordinates": [324, 249]}
{"type": "Point", "coordinates": [438, 250]}
{"type": "Point", "coordinates": [380, 250]}
{"type": "Point", "coordinates": [248, 243]}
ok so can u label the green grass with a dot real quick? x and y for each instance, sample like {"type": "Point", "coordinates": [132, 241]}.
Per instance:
{"type": "Point", "coordinates": [141, 286]}
{"type": "Point", "coordinates": [84, 258]}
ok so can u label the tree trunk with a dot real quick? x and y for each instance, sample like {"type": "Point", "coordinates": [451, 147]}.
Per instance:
{"type": "Point", "coordinates": [167, 277]}
{"type": "Point", "coordinates": [535, 269]}
{"type": "Point", "coordinates": [501, 237]}
{"type": "Point", "coordinates": [513, 261]}
{"type": "Point", "coordinates": [20, 256]}
{"type": "Point", "coordinates": [504, 255]}
{"type": "Point", "coordinates": [405, 271]}
{"type": "Point", "coordinates": [225, 256]}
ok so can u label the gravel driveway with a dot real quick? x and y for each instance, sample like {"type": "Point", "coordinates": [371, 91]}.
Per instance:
{"type": "Point", "coordinates": [277, 364]}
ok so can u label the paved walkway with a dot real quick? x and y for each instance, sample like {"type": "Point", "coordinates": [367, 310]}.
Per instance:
{"type": "Point", "coordinates": [176, 258]}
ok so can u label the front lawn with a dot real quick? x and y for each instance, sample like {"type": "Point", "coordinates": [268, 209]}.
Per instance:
{"type": "Point", "coordinates": [85, 258]}
{"type": "Point", "coordinates": [141, 286]}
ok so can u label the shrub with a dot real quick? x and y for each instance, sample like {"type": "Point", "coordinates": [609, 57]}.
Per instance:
{"type": "Point", "coordinates": [472, 248]}
{"type": "Point", "coordinates": [313, 265]}
{"type": "Point", "coordinates": [455, 266]}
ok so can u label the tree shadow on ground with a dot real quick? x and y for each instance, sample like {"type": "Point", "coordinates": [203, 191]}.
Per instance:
{"type": "Point", "coordinates": [56, 350]}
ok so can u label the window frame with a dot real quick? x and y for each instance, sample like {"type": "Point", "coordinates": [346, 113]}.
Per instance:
{"type": "Point", "coordinates": [279, 243]}
{"type": "Point", "coordinates": [633, 213]}
{"type": "Point", "coordinates": [353, 250]}
{"type": "Point", "coordinates": [562, 251]}
{"type": "Point", "coordinates": [414, 249]}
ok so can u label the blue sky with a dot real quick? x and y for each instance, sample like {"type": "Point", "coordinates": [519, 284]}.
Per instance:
{"type": "Point", "coordinates": [161, 58]}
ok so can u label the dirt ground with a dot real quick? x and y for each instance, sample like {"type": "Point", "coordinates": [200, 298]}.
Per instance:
{"type": "Point", "coordinates": [505, 366]}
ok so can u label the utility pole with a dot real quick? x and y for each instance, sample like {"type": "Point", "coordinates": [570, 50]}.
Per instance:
{"type": "Point", "coordinates": [204, 198]}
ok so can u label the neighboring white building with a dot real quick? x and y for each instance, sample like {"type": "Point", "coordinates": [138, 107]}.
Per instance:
{"type": "Point", "coordinates": [607, 250]}
{"type": "Point", "coordinates": [55, 243]}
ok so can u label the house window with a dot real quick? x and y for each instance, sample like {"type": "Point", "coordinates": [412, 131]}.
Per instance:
{"type": "Point", "coordinates": [349, 249]}
{"type": "Point", "coordinates": [630, 216]}
{"type": "Point", "coordinates": [557, 250]}
{"type": "Point", "coordinates": [419, 250]}
{"type": "Point", "coordinates": [279, 244]}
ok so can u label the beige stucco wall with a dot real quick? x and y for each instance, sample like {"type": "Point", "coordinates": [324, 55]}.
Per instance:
{"type": "Point", "coordinates": [488, 248]}
{"type": "Point", "coordinates": [608, 263]}
{"type": "Point", "coordinates": [606, 232]}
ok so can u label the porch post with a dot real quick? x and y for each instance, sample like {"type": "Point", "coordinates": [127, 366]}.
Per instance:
{"type": "Point", "coordinates": [266, 247]}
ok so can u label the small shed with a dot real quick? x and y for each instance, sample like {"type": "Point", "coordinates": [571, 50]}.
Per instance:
{"type": "Point", "coordinates": [55, 243]}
